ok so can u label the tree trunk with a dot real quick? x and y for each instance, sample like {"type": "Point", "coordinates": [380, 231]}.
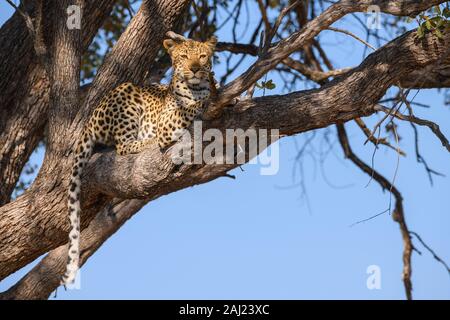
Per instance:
{"type": "Point", "coordinates": [137, 46]}
{"type": "Point", "coordinates": [24, 89]}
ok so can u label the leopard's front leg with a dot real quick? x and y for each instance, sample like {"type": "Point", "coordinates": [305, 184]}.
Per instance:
{"type": "Point", "coordinates": [129, 146]}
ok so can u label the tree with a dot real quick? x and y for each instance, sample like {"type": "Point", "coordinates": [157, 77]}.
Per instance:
{"type": "Point", "coordinates": [42, 100]}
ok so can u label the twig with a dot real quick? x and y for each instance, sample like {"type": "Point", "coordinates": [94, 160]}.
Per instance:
{"type": "Point", "coordinates": [376, 141]}
{"type": "Point", "coordinates": [314, 75]}
{"type": "Point", "coordinates": [419, 157]}
{"type": "Point", "coordinates": [421, 122]}
{"type": "Point", "coordinates": [227, 175]}
{"type": "Point", "coordinates": [398, 214]}
{"type": "Point", "coordinates": [270, 31]}
{"type": "Point", "coordinates": [129, 9]}
{"type": "Point", "coordinates": [378, 124]}
{"type": "Point", "coordinates": [370, 218]}
{"type": "Point", "coordinates": [435, 256]}
{"type": "Point", "coordinates": [175, 36]}
{"type": "Point", "coordinates": [352, 35]}
{"type": "Point", "coordinates": [264, 17]}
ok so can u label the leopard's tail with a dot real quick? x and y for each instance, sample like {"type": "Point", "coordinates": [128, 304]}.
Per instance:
{"type": "Point", "coordinates": [85, 146]}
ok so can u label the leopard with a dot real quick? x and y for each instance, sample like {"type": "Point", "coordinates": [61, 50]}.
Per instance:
{"type": "Point", "coordinates": [131, 117]}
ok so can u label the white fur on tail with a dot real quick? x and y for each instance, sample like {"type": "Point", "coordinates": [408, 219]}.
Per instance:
{"type": "Point", "coordinates": [83, 152]}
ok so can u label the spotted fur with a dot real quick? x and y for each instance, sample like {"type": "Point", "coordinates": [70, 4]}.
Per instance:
{"type": "Point", "coordinates": [130, 117]}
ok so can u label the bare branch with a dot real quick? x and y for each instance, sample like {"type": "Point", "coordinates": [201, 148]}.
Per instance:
{"type": "Point", "coordinates": [398, 214]}
{"type": "Point", "coordinates": [301, 38]}
{"type": "Point", "coordinates": [264, 17]}
{"type": "Point", "coordinates": [275, 27]}
{"type": "Point", "coordinates": [353, 36]}
{"type": "Point", "coordinates": [421, 122]}
{"type": "Point", "coordinates": [435, 256]}
{"type": "Point", "coordinates": [317, 76]}
{"type": "Point", "coordinates": [298, 66]}
{"type": "Point", "coordinates": [376, 141]}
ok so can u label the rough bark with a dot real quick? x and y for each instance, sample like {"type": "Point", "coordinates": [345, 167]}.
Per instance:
{"type": "Point", "coordinates": [43, 279]}
{"type": "Point", "coordinates": [304, 36]}
{"type": "Point", "coordinates": [431, 77]}
{"type": "Point", "coordinates": [138, 45]}
{"type": "Point", "coordinates": [24, 88]}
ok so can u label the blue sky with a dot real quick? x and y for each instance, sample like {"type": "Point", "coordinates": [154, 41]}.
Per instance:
{"type": "Point", "coordinates": [257, 237]}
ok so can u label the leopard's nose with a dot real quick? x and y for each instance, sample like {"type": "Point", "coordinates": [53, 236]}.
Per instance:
{"type": "Point", "coordinates": [195, 67]}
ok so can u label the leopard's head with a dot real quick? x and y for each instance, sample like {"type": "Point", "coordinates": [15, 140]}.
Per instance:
{"type": "Point", "coordinates": [191, 60]}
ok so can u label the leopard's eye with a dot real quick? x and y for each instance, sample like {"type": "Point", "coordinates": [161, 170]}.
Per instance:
{"type": "Point", "coordinates": [184, 56]}
{"type": "Point", "coordinates": [202, 56]}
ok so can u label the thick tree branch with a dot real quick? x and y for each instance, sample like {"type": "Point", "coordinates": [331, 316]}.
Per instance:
{"type": "Point", "coordinates": [46, 198]}
{"type": "Point", "coordinates": [45, 277]}
{"type": "Point", "coordinates": [24, 89]}
{"type": "Point", "coordinates": [64, 74]}
{"type": "Point", "coordinates": [302, 37]}
{"type": "Point", "coordinates": [431, 77]}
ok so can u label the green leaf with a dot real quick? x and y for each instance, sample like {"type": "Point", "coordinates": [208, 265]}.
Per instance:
{"type": "Point", "coordinates": [428, 25]}
{"type": "Point", "coordinates": [270, 85]}
{"type": "Point", "coordinates": [438, 33]}
{"type": "Point", "coordinates": [440, 23]}
{"type": "Point", "coordinates": [420, 32]}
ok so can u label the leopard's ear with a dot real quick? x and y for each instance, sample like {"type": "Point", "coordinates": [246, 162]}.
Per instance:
{"type": "Point", "coordinates": [169, 44]}
{"type": "Point", "coordinates": [175, 36]}
{"type": "Point", "coordinates": [211, 42]}
{"type": "Point", "coordinates": [174, 39]}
